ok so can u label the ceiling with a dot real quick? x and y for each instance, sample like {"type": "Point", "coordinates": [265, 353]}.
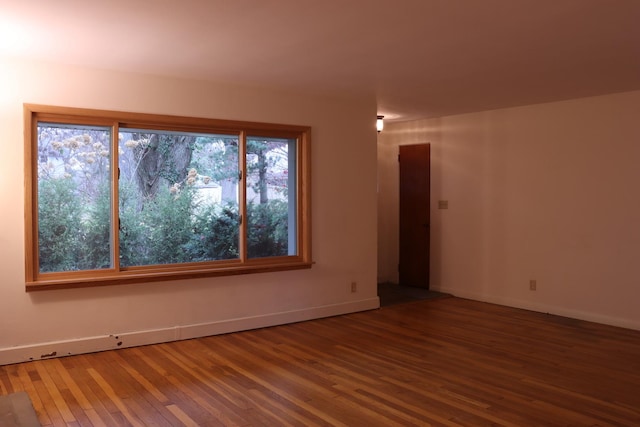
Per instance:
{"type": "Point", "coordinates": [419, 58]}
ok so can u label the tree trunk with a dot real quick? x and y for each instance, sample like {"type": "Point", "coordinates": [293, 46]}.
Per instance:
{"type": "Point", "coordinates": [162, 159]}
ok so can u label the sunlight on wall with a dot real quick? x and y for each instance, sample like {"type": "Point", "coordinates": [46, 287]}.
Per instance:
{"type": "Point", "coordinates": [15, 37]}
{"type": "Point", "coordinates": [8, 83]}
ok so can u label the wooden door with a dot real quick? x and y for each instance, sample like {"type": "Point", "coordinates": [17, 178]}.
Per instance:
{"type": "Point", "coordinates": [414, 214]}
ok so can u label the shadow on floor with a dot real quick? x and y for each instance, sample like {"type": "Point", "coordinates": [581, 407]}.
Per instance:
{"type": "Point", "coordinates": [391, 294]}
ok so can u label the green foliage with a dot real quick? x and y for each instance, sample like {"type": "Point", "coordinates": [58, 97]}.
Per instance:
{"type": "Point", "coordinates": [168, 220]}
{"type": "Point", "coordinates": [158, 233]}
{"type": "Point", "coordinates": [59, 213]}
{"type": "Point", "coordinates": [73, 234]}
{"type": "Point", "coordinates": [216, 233]}
{"type": "Point", "coordinates": [267, 229]}
{"type": "Point", "coordinates": [131, 225]}
{"type": "Point", "coordinates": [95, 233]}
{"type": "Point", "coordinates": [173, 229]}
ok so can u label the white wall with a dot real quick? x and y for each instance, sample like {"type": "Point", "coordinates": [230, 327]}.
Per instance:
{"type": "Point", "coordinates": [75, 320]}
{"type": "Point", "coordinates": [547, 192]}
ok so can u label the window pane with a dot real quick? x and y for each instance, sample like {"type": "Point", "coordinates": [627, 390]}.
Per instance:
{"type": "Point", "coordinates": [271, 192]}
{"type": "Point", "coordinates": [178, 197]}
{"type": "Point", "coordinates": [74, 198]}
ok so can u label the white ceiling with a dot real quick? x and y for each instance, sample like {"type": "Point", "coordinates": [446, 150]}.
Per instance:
{"type": "Point", "coordinates": [420, 58]}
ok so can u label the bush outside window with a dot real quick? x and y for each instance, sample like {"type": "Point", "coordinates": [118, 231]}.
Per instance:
{"type": "Point", "coordinates": [120, 197]}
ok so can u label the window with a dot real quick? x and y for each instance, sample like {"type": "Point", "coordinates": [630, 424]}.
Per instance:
{"type": "Point", "coordinates": [120, 197]}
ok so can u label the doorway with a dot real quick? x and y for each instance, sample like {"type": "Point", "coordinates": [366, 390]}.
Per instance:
{"type": "Point", "coordinates": [414, 221]}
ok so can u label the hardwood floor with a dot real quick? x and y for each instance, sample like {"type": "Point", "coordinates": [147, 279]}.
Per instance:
{"type": "Point", "coordinates": [445, 361]}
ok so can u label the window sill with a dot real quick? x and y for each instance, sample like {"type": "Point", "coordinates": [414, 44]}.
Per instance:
{"type": "Point", "coordinates": [158, 275]}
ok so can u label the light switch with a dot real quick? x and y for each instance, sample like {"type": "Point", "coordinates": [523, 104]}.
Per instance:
{"type": "Point", "coordinates": [443, 204]}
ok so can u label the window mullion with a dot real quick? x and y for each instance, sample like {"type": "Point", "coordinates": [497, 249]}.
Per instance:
{"type": "Point", "coordinates": [293, 209]}
{"type": "Point", "coordinates": [31, 198]}
{"type": "Point", "coordinates": [242, 196]}
{"type": "Point", "coordinates": [115, 205]}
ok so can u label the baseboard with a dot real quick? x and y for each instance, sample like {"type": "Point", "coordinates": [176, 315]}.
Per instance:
{"type": "Point", "coordinates": [544, 308]}
{"type": "Point", "coordinates": [48, 350]}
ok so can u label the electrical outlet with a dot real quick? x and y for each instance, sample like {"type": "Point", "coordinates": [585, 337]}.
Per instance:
{"type": "Point", "coordinates": [532, 285]}
{"type": "Point", "coordinates": [354, 287]}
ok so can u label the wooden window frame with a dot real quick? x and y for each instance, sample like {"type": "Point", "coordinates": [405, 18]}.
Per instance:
{"type": "Point", "coordinates": [35, 280]}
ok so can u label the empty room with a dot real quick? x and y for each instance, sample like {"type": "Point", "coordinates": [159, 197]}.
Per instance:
{"type": "Point", "coordinates": [297, 213]}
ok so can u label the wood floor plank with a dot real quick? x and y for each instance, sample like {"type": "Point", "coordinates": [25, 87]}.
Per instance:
{"type": "Point", "coordinates": [56, 387]}
{"type": "Point", "coordinates": [265, 376]}
{"type": "Point", "coordinates": [184, 418]}
{"type": "Point", "coordinates": [52, 414]}
{"type": "Point", "coordinates": [5, 383]}
{"type": "Point", "coordinates": [142, 403]}
{"type": "Point", "coordinates": [115, 399]}
{"type": "Point", "coordinates": [441, 362]}
{"type": "Point", "coordinates": [187, 393]}
{"type": "Point", "coordinates": [77, 369]}
{"type": "Point", "coordinates": [27, 385]}
{"type": "Point", "coordinates": [209, 387]}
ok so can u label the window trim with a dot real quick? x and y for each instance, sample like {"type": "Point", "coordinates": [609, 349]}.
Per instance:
{"type": "Point", "coordinates": [34, 280]}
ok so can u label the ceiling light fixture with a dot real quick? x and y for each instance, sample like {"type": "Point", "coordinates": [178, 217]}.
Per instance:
{"type": "Point", "coordinates": [380, 123]}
